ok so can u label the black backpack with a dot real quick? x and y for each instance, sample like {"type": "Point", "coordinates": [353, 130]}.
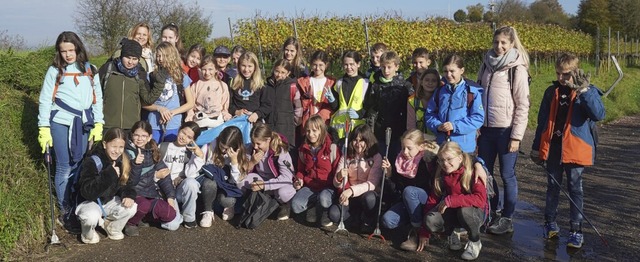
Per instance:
{"type": "Point", "coordinates": [70, 219]}
{"type": "Point", "coordinates": [257, 208]}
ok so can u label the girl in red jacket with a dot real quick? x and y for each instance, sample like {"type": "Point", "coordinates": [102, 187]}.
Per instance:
{"type": "Point", "coordinates": [458, 199]}
{"type": "Point", "coordinates": [316, 166]}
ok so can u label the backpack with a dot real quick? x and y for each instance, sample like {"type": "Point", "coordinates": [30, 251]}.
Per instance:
{"type": "Point", "coordinates": [257, 208]}
{"type": "Point", "coordinates": [104, 79]}
{"type": "Point", "coordinates": [88, 71]}
{"type": "Point", "coordinates": [70, 218]}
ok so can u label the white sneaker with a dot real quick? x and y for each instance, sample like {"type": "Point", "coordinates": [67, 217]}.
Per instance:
{"type": "Point", "coordinates": [94, 240]}
{"type": "Point", "coordinates": [228, 213]}
{"type": "Point", "coordinates": [207, 219]}
{"type": "Point", "coordinates": [113, 235]}
{"type": "Point", "coordinates": [454, 241]}
{"type": "Point", "coordinates": [472, 250]}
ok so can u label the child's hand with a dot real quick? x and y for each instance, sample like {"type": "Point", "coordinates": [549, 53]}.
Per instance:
{"type": "Point", "coordinates": [162, 173]}
{"type": "Point", "coordinates": [481, 174]}
{"type": "Point", "coordinates": [226, 116]}
{"type": "Point", "coordinates": [424, 241]}
{"type": "Point", "coordinates": [342, 174]}
{"type": "Point", "coordinates": [139, 157]}
{"type": "Point", "coordinates": [344, 197]}
{"type": "Point", "coordinates": [239, 112]}
{"type": "Point", "coordinates": [253, 117]}
{"type": "Point", "coordinates": [116, 168]}
{"type": "Point", "coordinates": [446, 127]}
{"type": "Point", "coordinates": [233, 155]}
{"type": "Point", "coordinates": [386, 167]}
{"type": "Point", "coordinates": [128, 202]}
{"type": "Point", "coordinates": [442, 207]}
{"type": "Point", "coordinates": [257, 156]}
{"type": "Point", "coordinates": [165, 114]}
{"type": "Point", "coordinates": [329, 95]}
{"type": "Point", "coordinates": [298, 184]}
{"type": "Point", "coordinates": [580, 81]}
{"type": "Point", "coordinates": [172, 202]}
{"type": "Point", "coordinates": [257, 186]}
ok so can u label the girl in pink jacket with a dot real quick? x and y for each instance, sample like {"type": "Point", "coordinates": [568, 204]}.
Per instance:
{"type": "Point", "coordinates": [212, 97]}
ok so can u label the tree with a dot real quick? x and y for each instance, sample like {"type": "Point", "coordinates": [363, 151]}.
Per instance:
{"type": "Point", "coordinates": [625, 17]}
{"type": "Point", "coordinates": [460, 16]}
{"type": "Point", "coordinates": [102, 21]}
{"type": "Point", "coordinates": [475, 12]}
{"type": "Point", "coordinates": [11, 42]}
{"type": "Point", "coordinates": [548, 12]}
{"type": "Point", "coordinates": [511, 10]}
{"type": "Point", "coordinates": [195, 28]}
{"type": "Point", "coordinates": [593, 14]}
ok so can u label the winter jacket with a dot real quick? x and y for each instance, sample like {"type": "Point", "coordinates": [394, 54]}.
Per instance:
{"type": "Point", "coordinates": [452, 107]}
{"type": "Point", "coordinates": [309, 102]}
{"type": "Point", "coordinates": [317, 170]}
{"type": "Point", "coordinates": [579, 136]}
{"type": "Point", "coordinates": [147, 185]}
{"type": "Point", "coordinates": [286, 110]}
{"type": "Point", "coordinates": [386, 106]}
{"type": "Point", "coordinates": [124, 96]}
{"type": "Point", "coordinates": [260, 101]}
{"type": "Point", "coordinates": [105, 184]}
{"type": "Point", "coordinates": [504, 106]}
{"type": "Point", "coordinates": [364, 175]}
{"type": "Point", "coordinates": [276, 171]}
{"type": "Point", "coordinates": [211, 98]}
{"type": "Point", "coordinates": [193, 73]}
{"type": "Point", "coordinates": [423, 179]}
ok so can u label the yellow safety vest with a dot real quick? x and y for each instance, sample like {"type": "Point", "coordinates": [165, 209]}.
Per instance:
{"type": "Point", "coordinates": [339, 118]}
{"type": "Point", "coordinates": [419, 108]}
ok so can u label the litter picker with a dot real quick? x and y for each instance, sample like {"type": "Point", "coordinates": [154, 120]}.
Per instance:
{"type": "Point", "coordinates": [377, 232]}
{"type": "Point", "coordinates": [347, 130]}
{"type": "Point", "coordinates": [53, 240]}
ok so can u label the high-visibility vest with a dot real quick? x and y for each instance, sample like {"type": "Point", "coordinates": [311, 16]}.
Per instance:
{"type": "Point", "coordinates": [356, 102]}
{"type": "Point", "coordinates": [419, 108]}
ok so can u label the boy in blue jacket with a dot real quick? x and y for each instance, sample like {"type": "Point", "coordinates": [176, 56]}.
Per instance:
{"type": "Point", "coordinates": [566, 140]}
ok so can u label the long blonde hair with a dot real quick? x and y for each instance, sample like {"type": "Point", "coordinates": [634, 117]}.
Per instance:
{"type": "Point", "coordinates": [113, 134]}
{"type": "Point", "coordinates": [170, 61]}
{"type": "Point", "coordinates": [256, 78]}
{"type": "Point", "coordinates": [453, 148]}
{"type": "Point", "coordinates": [513, 36]}
{"type": "Point", "coordinates": [263, 132]}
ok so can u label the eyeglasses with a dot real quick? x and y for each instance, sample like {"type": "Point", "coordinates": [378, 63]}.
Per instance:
{"type": "Point", "coordinates": [449, 160]}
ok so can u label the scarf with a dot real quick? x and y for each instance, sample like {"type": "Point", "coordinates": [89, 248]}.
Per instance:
{"type": "Point", "coordinates": [408, 167]}
{"type": "Point", "coordinates": [498, 62]}
{"type": "Point", "coordinates": [127, 72]}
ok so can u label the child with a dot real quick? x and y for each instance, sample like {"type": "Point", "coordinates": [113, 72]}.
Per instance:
{"type": "Point", "coordinates": [292, 52]}
{"type": "Point", "coordinates": [106, 182]}
{"type": "Point", "coordinates": [236, 52]}
{"type": "Point", "coordinates": [228, 153]}
{"type": "Point", "coordinates": [191, 62]}
{"type": "Point", "coordinates": [458, 199]}
{"type": "Point", "coordinates": [504, 77]}
{"type": "Point", "coordinates": [386, 103]}
{"type": "Point", "coordinates": [411, 182]}
{"type": "Point", "coordinates": [70, 109]}
{"type": "Point", "coordinates": [165, 114]}
{"type": "Point", "coordinates": [211, 97]}
{"type": "Point", "coordinates": [316, 167]}
{"type": "Point", "coordinates": [565, 138]}
{"type": "Point", "coordinates": [155, 192]}
{"type": "Point", "coordinates": [222, 57]}
{"type": "Point", "coordinates": [455, 112]}
{"type": "Point", "coordinates": [171, 33]}
{"type": "Point", "coordinates": [125, 87]}
{"type": "Point", "coordinates": [184, 160]}
{"type": "Point", "coordinates": [248, 96]}
{"type": "Point", "coordinates": [359, 193]}
{"type": "Point", "coordinates": [271, 165]}
{"type": "Point", "coordinates": [418, 101]}
{"type": "Point", "coordinates": [421, 61]}
{"type": "Point", "coordinates": [141, 32]}
{"type": "Point", "coordinates": [350, 92]}
{"type": "Point", "coordinates": [316, 95]}
{"type": "Point", "coordinates": [374, 67]}
{"type": "Point", "coordinates": [287, 110]}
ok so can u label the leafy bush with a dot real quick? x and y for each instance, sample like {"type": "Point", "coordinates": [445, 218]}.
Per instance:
{"type": "Point", "coordinates": [25, 71]}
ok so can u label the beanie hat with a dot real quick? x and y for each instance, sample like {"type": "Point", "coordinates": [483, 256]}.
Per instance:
{"type": "Point", "coordinates": [130, 48]}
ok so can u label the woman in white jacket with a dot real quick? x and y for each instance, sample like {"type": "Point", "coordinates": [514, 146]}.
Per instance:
{"type": "Point", "coordinates": [505, 79]}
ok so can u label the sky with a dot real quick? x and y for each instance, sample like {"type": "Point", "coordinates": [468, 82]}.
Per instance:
{"type": "Point", "coordinates": [39, 22]}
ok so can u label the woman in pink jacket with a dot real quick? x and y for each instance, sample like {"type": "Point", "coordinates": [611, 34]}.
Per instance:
{"type": "Point", "coordinates": [358, 195]}
{"type": "Point", "coordinates": [505, 80]}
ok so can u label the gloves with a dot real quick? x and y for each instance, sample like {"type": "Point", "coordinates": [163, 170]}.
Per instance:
{"type": "Point", "coordinates": [329, 95]}
{"type": "Point", "coordinates": [96, 133]}
{"type": "Point", "coordinates": [352, 113]}
{"type": "Point", "coordinates": [580, 81]}
{"type": "Point", "coordinates": [44, 138]}
{"type": "Point", "coordinates": [535, 157]}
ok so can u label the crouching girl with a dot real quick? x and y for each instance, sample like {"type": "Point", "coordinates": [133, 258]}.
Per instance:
{"type": "Point", "coordinates": [106, 182]}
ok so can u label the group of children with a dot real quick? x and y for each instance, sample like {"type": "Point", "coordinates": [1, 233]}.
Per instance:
{"type": "Point", "coordinates": [317, 144]}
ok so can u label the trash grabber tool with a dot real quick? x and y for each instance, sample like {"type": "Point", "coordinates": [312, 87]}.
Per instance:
{"type": "Point", "coordinates": [574, 204]}
{"type": "Point", "coordinates": [347, 127]}
{"type": "Point", "coordinates": [377, 232]}
{"type": "Point", "coordinates": [53, 240]}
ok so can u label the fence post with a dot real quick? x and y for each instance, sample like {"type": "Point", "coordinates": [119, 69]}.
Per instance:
{"type": "Point", "coordinates": [618, 44]}
{"type": "Point", "coordinates": [597, 50]}
{"type": "Point", "coordinates": [230, 29]}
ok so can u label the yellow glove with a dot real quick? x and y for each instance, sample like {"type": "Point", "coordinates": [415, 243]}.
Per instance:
{"type": "Point", "coordinates": [44, 138]}
{"type": "Point", "coordinates": [96, 133]}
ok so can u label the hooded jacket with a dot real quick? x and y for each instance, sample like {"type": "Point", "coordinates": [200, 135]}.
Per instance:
{"type": "Point", "coordinates": [147, 185]}
{"type": "Point", "coordinates": [105, 184]}
{"type": "Point", "coordinates": [317, 171]}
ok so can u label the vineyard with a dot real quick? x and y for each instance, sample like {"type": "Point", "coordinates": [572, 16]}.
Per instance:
{"type": "Point", "coordinates": [336, 34]}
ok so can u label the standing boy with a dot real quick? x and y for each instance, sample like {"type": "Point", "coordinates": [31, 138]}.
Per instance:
{"type": "Point", "coordinates": [566, 140]}
{"type": "Point", "coordinates": [421, 61]}
{"type": "Point", "coordinates": [376, 51]}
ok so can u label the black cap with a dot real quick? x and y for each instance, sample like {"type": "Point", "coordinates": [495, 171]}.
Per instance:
{"type": "Point", "coordinates": [221, 50]}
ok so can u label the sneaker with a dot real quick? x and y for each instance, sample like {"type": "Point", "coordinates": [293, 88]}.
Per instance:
{"type": "Point", "coordinates": [207, 219]}
{"type": "Point", "coordinates": [228, 213]}
{"type": "Point", "coordinates": [411, 244]}
{"type": "Point", "coordinates": [94, 240]}
{"type": "Point", "coordinates": [324, 219]}
{"type": "Point", "coordinates": [312, 215]}
{"type": "Point", "coordinates": [285, 209]}
{"type": "Point", "coordinates": [551, 230]}
{"type": "Point", "coordinates": [191, 224]}
{"type": "Point", "coordinates": [131, 230]}
{"type": "Point", "coordinates": [472, 250]}
{"type": "Point", "coordinates": [113, 235]}
{"type": "Point", "coordinates": [502, 226]}
{"type": "Point", "coordinates": [454, 241]}
{"type": "Point", "coordinates": [575, 240]}
{"type": "Point", "coordinates": [143, 224]}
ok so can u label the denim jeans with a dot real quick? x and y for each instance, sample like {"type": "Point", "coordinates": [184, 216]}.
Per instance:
{"type": "Point", "coordinates": [574, 185]}
{"type": "Point", "coordinates": [187, 194]}
{"type": "Point", "coordinates": [360, 207]}
{"type": "Point", "coordinates": [470, 218]}
{"type": "Point", "coordinates": [64, 162]}
{"type": "Point", "coordinates": [495, 142]}
{"type": "Point", "coordinates": [170, 135]}
{"type": "Point", "coordinates": [409, 210]}
{"type": "Point", "coordinates": [304, 196]}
